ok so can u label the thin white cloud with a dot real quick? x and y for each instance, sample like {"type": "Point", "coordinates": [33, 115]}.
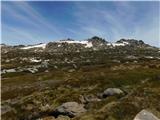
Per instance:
{"type": "Point", "coordinates": [19, 36]}
{"type": "Point", "coordinates": [25, 14]}
{"type": "Point", "coordinates": [118, 23]}
{"type": "Point", "coordinates": [88, 20]}
{"type": "Point", "coordinates": [150, 32]}
{"type": "Point", "coordinates": [97, 21]}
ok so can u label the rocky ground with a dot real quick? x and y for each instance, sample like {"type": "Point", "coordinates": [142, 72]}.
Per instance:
{"type": "Point", "coordinates": [113, 83]}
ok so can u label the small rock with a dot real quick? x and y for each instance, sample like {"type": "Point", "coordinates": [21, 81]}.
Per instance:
{"type": "Point", "coordinates": [71, 70]}
{"type": "Point", "coordinates": [112, 91]}
{"type": "Point", "coordinates": [5, 109]}
{"type": "Point", "coordinates": [145, 115]}
{"type": "Point", "coordinates": [89, 98]}
{"type": "Point", "coordinates": [70, 109]}
{"type": "Point", "coordinates": [45, 107]}
{"type": "Point", "coordinates": [46, 71]}
{"type": "Point", "coordinates": [55, 67]}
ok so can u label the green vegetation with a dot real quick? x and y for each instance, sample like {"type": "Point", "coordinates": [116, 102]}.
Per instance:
{"type": "Point", "coordinates": [141, 86]}
{"type": "Point", "coordinates": [69, 75]}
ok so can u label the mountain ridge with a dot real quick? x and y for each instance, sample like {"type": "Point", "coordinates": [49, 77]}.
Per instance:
{"type": "Point", "coordinates": [42, 77]}
{"type": "Point", "coordinates": [94, 43]}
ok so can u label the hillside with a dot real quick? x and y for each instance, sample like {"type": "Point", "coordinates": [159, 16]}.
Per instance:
{"type": "Point", "coordinates": [99, 79]}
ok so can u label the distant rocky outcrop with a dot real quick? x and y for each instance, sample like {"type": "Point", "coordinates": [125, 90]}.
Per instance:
{"type": "Point", "coordinates": [133, 42]}
{"type": "Point", "coordinates": [64, 47]}
{"type": "Point", "coordinates": [70, 45]}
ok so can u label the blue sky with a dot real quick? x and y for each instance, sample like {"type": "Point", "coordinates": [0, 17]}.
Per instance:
{"type": "Point", "coordinates": [35, 22]}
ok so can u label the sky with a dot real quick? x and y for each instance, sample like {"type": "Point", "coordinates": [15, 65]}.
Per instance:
{"type": "Point", "coordinates": [28, 22]}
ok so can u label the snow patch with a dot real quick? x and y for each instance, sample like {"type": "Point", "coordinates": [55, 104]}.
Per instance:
{"type": "Point", "coordinates": [59, 45]}
{"type": "Point", "coordinates": [35, 60]}
{"type": "Point", "coordinates": [125, 42]}
{"type": "Point", "coordinates": [88, 44]}
{"type": "Point", "coordinates": [109, 44]}
{"type": "Point", "coordinates": [73, 41]}
{"type": "Point", "coordinates": [117, 44]}
{"type": "Point", "coordinates": [35, 46]}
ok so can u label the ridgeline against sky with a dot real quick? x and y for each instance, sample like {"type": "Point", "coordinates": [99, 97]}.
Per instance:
{"type": "Point", "coordinates": [36, 22]}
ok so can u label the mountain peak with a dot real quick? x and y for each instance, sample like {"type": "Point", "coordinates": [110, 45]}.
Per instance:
{"type": "Point", "coordinates": [133, 42]}
{"type": "Point", "coordinates": [97, 39]}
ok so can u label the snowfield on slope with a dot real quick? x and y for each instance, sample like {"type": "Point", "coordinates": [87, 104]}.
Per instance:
{"type": "Point", "coordinates": [117, 44]}
{"type": "Point", "coordinates": [35, 46]}
{"type": "Point", "coordinates": [88, 44]}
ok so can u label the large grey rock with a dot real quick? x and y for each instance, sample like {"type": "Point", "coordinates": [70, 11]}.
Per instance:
{"type": "Point", "coordinates": [145, 115]}
{"type": "Point", "coordinates": [70, 109]}
{"type": "Point", "coordinates": [112, 91]}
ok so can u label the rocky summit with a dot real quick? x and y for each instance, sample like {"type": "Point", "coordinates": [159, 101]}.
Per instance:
{"type": "Point", "coordinates": [91, 79]}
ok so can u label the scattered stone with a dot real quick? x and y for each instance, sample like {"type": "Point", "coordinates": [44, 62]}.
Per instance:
{"type": "Point", "coordinates": [117, 61]}
{"type": "Point", "coordinates": [75, 66]}
{"type": "Point", "coordinates": [131, 57]}
{"type": "Point", "coordinates": [32, 70]}
{"type": "Point", "coordinates": [8, 71]}
{"type": "Point", "coordinates": [46, 71]}
{"type": "Point", "coordinates": [145, 115]}
{"type": "Point", "coordinates": [44, 64]}
{"type": "Point", "coordinates": [55, 67]}
{"type": "Point", "coordinates": [70, 109]}
{"type": "Point", "coordinates": [135, 61]}
{"type": "Point", "coordinates": [5, 109]}
{"type": "Point", "coordinates": [71, 70]}
{"type": "Point", "coordinates": [112, 91]}
{"type": "Point", "coordinates": [88, 99]}
{"type": "Point", "coordinates": [45, 107]}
